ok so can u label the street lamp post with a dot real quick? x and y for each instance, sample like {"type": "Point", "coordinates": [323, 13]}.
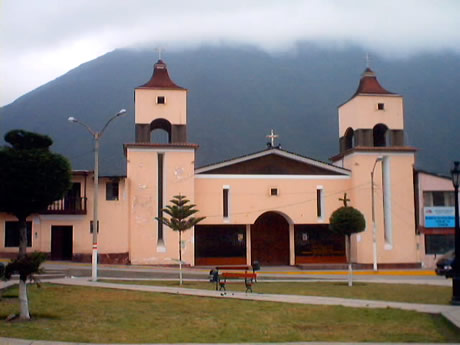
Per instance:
{"type": "Point", "coordinates": [96, 136]}
{"type": "Point", "coordinates": [374, 227]}
{"type": "Point", "coordinates": [455, 173]}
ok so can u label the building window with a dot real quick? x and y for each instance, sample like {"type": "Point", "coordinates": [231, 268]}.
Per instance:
{"type": "Point", "coordinates": [319, 202]}
{"type": "Point", "coordinates": [161, 100]}
{"type": "Point", "coordinates": [12, 234]}
{"type": "Point", "coordinates": [225, 201]}
{"type": "Point", "coordinates": [379, 134]}
{"type": "Point", "coordinates": [438, 198]}
{"type": "Point", "coordinates": [273, 191]}
{"type": "Point", "coordinates": [438, 244]}
{"type": "Point", "coordinates": [380, 106]}
{"type": "Point", "coordinates": [349, 138]}
{"type": "Point", "coordinates": [111, 191]}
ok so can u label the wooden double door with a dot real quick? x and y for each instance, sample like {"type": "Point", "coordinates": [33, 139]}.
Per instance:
{"type": "Point", "coordinates": [270, 240]}
{"type": "Point", "coordinates": [61, 242]}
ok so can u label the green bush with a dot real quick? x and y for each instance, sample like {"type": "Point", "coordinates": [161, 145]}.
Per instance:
{"type": "Point", "coordinates": [26, 266]}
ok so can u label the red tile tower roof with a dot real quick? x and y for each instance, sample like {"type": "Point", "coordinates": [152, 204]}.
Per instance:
{"type": "Point", "coordinates": [160, 78]}
{"type": "Point", "coordinates": [370, 85]}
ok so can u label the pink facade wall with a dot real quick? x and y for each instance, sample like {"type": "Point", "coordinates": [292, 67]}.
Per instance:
{"type": "Point", "coordinates": [143, 204]}
{"type": "Point", "coordinates": [113, 233]}
{"type": "Point", "coordinates": [362, 112]}
{"type": "Point", "coordinates": [250, 197]}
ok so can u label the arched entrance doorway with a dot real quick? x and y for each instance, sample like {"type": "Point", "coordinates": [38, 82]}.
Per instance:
{"type": "Point", "coordinates": [270, 240]}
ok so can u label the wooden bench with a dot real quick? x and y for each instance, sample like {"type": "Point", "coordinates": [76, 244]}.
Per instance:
{"type": "Point", "coordinates": [221, 278]}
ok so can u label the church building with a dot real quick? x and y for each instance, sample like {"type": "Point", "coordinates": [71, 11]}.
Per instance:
{"type": "Point", "coordinates": [271, 206]}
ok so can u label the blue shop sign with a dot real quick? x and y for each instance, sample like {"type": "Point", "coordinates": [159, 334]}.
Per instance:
{"type": "Point", "coordinates": [439, 217]}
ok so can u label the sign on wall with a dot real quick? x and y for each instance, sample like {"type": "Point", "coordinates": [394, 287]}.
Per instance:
{"type": "Point", "coordinates": [439, 217]}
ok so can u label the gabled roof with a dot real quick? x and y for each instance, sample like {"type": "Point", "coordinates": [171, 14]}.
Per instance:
{"type": "Point", "coordinates": [160, 78]}
{"type": "Point", "coordinates": [444, 176]}
{"type": "Point", "coordinates": [272, 161]}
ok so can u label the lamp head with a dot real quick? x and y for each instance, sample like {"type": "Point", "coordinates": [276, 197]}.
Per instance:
{"type": "Point", "coordinates": [121, 112]}
{"type": "Point", "coordinates": [72, 119]}
{"type": "Point", "coordinates": [379, 159]}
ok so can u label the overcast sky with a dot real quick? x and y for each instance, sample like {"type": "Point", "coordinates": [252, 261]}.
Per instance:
{"type": "Point", "coordinates": [41, 40]}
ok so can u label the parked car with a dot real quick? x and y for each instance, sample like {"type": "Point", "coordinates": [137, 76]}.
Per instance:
{"type": "Point", "coordinates": [445, 263]}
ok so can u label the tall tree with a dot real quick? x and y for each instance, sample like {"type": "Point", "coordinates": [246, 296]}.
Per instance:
{"type": "Point", "coordinates": [31, 178]}
{"type": "Point", "coordinates": [347, 221]}
{"type": "Point", "coordinates": [180, 219]}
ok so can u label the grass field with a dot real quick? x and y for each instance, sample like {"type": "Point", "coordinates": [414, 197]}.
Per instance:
{"type": "Point", "coordinates": [82, 314]}
{"type": "Point", "coordinates": [373, 291]}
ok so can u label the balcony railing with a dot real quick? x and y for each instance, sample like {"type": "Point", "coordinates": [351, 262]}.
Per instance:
{"type": "Point", "coordinates": [68, 205]}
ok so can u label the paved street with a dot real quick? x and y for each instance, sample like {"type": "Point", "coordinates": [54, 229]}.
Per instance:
{"type": "Point", "coordinates": [290, 273]}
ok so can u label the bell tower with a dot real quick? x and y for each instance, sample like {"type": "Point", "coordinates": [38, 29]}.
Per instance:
{"type": "Point", "coordinates": [157, 171]}
{"type": "Point", "coordinates": [371, 140]}
{"type": "Point", "coordinates": [161, 104]}
{"type": "Point", "coordinates": [372, 117]}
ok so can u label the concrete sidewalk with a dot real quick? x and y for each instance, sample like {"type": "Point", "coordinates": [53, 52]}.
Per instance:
{"type": "Point", "coordinates": [288, 273]}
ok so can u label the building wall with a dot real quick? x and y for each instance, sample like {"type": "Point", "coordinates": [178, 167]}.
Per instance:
{"type": "Point", "coordinates": [113, 234]}
{"type": "Point", "coordinates": [174, 110]}
{"type": "Point", "coordinates": [402, 248]}
{"type": "Point", "coordinates": [430, 183]}
{"type": "Point", "coordinates": [143, 203]}
{"type": "Point", "coordinates": [249, 197]}
{"type": "Point", "coordinates": [362, 112]}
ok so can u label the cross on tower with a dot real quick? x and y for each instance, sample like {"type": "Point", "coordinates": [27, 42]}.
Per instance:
{"type": "Point", "coordinates": [272, 136]}
{"type": "Point", "coordinates": [345, 200]}
{"type": "Point", "coordinates": [367, 60]}
{"type": "Point", "coordinates": [159, 50]}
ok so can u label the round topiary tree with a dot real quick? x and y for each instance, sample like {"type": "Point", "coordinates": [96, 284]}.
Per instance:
{"type": "Point", "coordinates": [347, 221]}
{"type": "Point", "coordinates": [31, 178]}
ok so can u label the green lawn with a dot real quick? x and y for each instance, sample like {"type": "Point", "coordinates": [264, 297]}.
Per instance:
{"type": "Point", "coordinates": [81, 314]}
{"type": "Point", "coordinates": [373, 291]}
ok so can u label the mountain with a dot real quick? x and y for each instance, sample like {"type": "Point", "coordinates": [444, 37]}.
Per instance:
{"type": "Point", "coordinates": [237, 95]}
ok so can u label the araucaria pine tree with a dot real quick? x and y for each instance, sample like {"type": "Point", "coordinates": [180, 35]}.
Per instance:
{"type": "Point", "coordinates": [180, 213]}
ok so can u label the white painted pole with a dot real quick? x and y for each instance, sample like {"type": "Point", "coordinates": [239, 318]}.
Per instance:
{"type": "Point", "coordinates": [374, 226]}
{"type": "Point", "coordinates": [95, 207]}
{"type": "Point", "coordinates": [96, 136]}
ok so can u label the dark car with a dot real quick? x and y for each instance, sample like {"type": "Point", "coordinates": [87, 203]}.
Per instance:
{"type": "Point", "coordinates": [445, 263]}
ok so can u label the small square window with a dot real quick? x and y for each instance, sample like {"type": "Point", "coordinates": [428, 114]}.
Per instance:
{"type": "Point", "coordinates": [111, 191]}
{"type": "Point", "coordinates": [380, 106]}
{"type": "Point", "coordinates": [161, 100]}
{"type": "Point", "coordinates": [274, 191]}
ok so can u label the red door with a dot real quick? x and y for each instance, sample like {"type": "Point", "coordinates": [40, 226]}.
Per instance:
{"type": "Point", "coordinates": [270, 240]}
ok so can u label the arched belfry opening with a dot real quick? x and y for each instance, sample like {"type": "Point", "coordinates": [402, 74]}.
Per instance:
{"type": "Point", "coordinates": [380, 134]}
{"type": "Point", "coordinates": [349, 138]}
{"type": "Point", "coordinates": [160, 131]}
{"type": "Point", "coordinates": [270, 239]}
{"type": "Point", "coordinates": [160, 109]}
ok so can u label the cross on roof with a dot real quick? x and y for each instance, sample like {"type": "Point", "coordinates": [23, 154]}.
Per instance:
{"type": "Point", "coordinates": [367, 60]}
{"type": "Point", "coordinates": [345, 200]}
{"type": "Point", "coordinates": [272, 136]}
{"type": "Point", "coordinates": [159, 50]}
